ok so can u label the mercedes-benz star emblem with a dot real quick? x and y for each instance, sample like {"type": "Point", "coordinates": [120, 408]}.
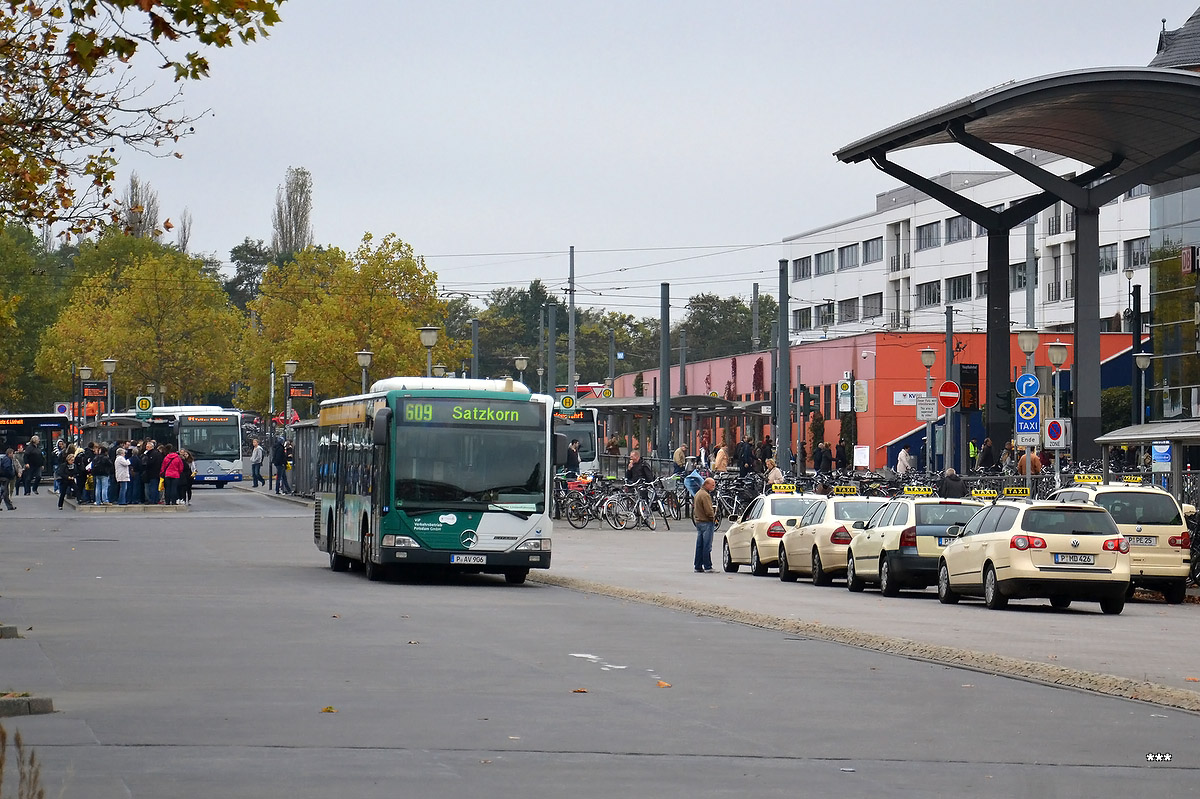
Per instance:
{"type": "Point", "coordinates": [1074, 542]}
{"type": "Point", "coordinates": [470, 539]}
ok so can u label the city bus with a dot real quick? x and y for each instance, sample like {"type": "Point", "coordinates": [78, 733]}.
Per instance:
{"type": "Point", "coordinates": [439, 472]}
{"type": "Point", "coordinates": [211, 433]}
{"type": "Point", "coordinates": [580, 423]}
{"type": "Point", "coordinates": [17, 429]}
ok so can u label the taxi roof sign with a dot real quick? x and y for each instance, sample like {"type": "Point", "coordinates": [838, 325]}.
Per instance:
{"type": "Point", "coordinates": [1133, 478]}
{"type": "Point", "coordinates": [783, 488]}
{"type": "Point", "coordinates": [845, 490]}
{"type": "Point", "coordinates": [1016, 491]}
{"type": "Point", "coordinates": [1088, 478]}
{"type": "Point", "coordinates": [984, 493]}
{"type": "Point", "coordinates": [918, 491]}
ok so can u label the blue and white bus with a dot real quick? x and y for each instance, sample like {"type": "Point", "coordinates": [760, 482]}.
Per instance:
{"type": "Point", "coordinates": [447, 472]}
{"type": "Point", "coordinates": [211, 433]}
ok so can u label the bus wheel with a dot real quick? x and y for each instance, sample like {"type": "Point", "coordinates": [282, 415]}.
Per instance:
{"type": "Point", "coordinates": [337, 562]}
{"type": "Point", "coordinates": [372, 570]}
{"type": "Point", "coordinates": [516, 576]}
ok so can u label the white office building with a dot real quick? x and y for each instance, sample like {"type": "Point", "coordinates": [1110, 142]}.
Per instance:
{"type": "Point", "coordinates": [898, 267]}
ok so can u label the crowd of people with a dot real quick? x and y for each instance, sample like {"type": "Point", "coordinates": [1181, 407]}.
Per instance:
{"type": "Point", "coordinates": [118, 473]}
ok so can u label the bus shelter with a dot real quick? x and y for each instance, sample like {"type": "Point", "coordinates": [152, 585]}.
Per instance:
{"type": "Point", "coordinates": [1181, 480]}
{"type": "Point", "coordinates": [636, 418]}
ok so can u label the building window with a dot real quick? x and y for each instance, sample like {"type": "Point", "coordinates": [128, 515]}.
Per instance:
{"type": "Point", "coordinates": [958, 288]}
{"type": "Point", "coordinates": [981, 284]}
{"type": "Point", "coordinates": [1108, 259]}
{"type": "Point", "coordinates": [872, 306]}
{"type": "Point", "coordinates": [1140, 190]}
{"type": "Point", "coordinates": [802, 319]}
{"type": "Point", "coordinates": [1016, 277]}
{"type": "Point", "coordinates": [802, 268]}
{"type": "Point", "coordinates": [848, 310]}
{"type": "Point", "coordinates": [848, 256]}
{"type": "Point", "coordinates": [873, 250]}
{"type": "Point", "coordinates": [980, 230]}
{"type": "Point", "coordinates": [929, 236]}
{"type": "Point", "coordinates": [929, 294]}
{"type": "Point", "coordinates": [825, 315]}
{"type": "Point", "coordinates": [825, 262]}
{"type": "Point", "coordinates": [1137, 252]}
{"type": "Point", "coordinates": [958, 228]}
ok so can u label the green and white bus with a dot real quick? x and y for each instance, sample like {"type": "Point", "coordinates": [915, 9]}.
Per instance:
{"type": "Point", "coordinates": [447, 472]}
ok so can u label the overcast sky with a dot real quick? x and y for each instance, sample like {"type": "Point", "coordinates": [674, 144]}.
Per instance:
{"type": "Point", "coordinates": [666, 140]}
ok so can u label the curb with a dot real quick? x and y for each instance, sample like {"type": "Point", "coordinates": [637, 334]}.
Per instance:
{"type": "Point", "coordinates": [9, 631]}
{"type": "Point", "coordinates": [25, 705]}
{"type": "Point", "coordinates": [293, 498]}
{"type": "Point", "coordinates": [984, 662]}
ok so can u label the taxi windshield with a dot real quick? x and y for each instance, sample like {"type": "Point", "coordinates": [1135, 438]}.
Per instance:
{"type": "Point", "coordinates": [1068, 521]}
{"type": "Point", "coordinates": [1140, 507]}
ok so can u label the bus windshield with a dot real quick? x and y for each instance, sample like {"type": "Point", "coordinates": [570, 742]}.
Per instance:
{"type": "Point", "coordinates": [216, 439]}
{"type": "Point", "coordinates": [579, 423]}
{"type": "Point", "coordinates": [470, 456]}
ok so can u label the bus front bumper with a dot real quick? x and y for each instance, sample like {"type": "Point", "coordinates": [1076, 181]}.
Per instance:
{"type": "Point", "coordinates": [481, 561]}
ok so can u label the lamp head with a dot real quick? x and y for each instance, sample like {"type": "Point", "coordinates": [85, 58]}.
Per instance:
{"type": "Point", "coordinates": [1057, 353]}
{"type": "Point", "coordinates": [928, 357]}
{"type": "Point", "coordinates": [1142, 359]}
{"type": "Point", "coordinates": [1129, 272]}
{"type": "Point", "coordinates": [429, 336]}
{"type": "Point", "coordinates": [1027, 340]}
{"type": "Point", "coordinates": [85, 373]}
{"type": "Point", "coordinates": [364, 358]}
{"type": "Point", "coordinates": [110, 365]}
{"type": "Point", "coordinates": [521, 361]}
{"type": "Point", "coordinates": [290, 367]}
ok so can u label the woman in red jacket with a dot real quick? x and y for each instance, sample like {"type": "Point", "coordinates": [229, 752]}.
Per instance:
{"type": "Point", "coordinates": [172, 470]}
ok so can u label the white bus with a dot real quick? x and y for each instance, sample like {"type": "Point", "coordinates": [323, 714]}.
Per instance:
{"type": "Point", "coordinates": [580, 423]}
{"type": "Point", "coordinates": [211, 433]}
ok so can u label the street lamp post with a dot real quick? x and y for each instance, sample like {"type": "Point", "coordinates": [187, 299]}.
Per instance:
{"type": "Point", "coordinates": [1057, 353]}
{"type": "Point", "coordinates": [110, 366]}
{"type": "Point", "coordinates": [541, 370]}
{"type": "Point", "coordinates": [1142, 359]}
{"type": "Point", "coordinates": [85, 373]}
{"type": "Point", "coordinates": [429, 337]}
{"type": "Point", "coordinates": [1027, 340]}
{"type": "Point", "coordinates": [289, 369]}
{"type": "Point", "coordinates": [364, 362]}
{"type": "Point", "coordinates": [521, 361]}
{"type": "Point", "coordinates": [928, 357]}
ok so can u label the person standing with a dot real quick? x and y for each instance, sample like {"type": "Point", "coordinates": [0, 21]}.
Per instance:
{"type": "Point", "coordinates": [121, 472]}
{"type": "Point", "coordinates": [8, 474]}
{"type": "Point", "coordinates": [172, 471]}
{"type": "Point", "coordinates": [952, 486]}
{"type": "Point", "coordinates": [152, 472]}
{"type": "Point", "coordinates": [35, 462]}
{"type": "Point", "coordinates": [102, 473]}
{"type": "Point", "coordinates": [987, 456]}
{"type": "Point", "coordinates": [187, 478]}
{"type": "Point", "coordinates": [57, 458]}
{"type": "Point", "coordinates": [705, 518]}
{"type": "Point", "coordinates": [256, 462]}
{"type": "Point", "coordinates": [65, 476]}
{"type": "Point", "coordinates": [573, 457]}
{"type": "Point", "coordinates": [279, 461]}
{"type": "Point", "coordinates": [133, 494]}
{"type": "Point", "coordinates": [906, 462]}
{"type": "Point", "coordinates": [680, 458]}
{"type": "Point", "coordinates": [638, 469]}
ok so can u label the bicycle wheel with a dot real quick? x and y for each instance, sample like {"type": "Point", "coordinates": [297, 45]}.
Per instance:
{"type": "Point", "coordinates": [671, 505]}
{"type": "Point", "coordinates": [576, 511]}
{"type": "Point", "coordinates": [644, 514]}
{"type": "Point", "coordinates": [666, 516]}
{"type": "Point", "coordinates": [618, 512]}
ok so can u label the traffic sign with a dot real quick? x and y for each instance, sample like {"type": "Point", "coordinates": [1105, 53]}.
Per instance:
{"type": "Point", "coordinates": [845, 400]}
{"type": "Point", "coordinates": [567, 401]}
{"type": "Point", "coordinates": [927, 409]}
{"type": "Point", "coordinates": [142, 406]}
{"type": "Point", "coordinates": [1056, 434]}
{"type": "Point", "coordinates": [61, 407]}
{"type": "Point", "coordinates": [948, 394]}
{"type": "Point", "coordinates": [1029, 421]}
{"type": "Point", "coordinates": [1028, 385]}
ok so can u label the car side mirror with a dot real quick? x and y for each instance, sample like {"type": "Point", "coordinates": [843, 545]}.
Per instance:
{"type": "Point", "coordinates": [791, 522]}
{"type": "Point", "coordinates": [733, 519]}
{"type": "Point", "coordinates": [1189, 509]}
{"type": "Point", "coordinates": [859, 525]}
{"type": "Point", "coordinates": [954, 530]}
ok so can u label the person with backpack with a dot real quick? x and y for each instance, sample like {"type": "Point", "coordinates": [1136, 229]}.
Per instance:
{"type": "Point", "coordinates": [102, 474]}
{"type": "Point", "coordinates": [8, 474]}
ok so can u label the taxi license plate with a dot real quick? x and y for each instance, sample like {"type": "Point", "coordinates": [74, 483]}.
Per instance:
{"type": "Point", "coordinates": [944, 540]}
{"type": "Point", "coordinates": [469, 560]}
{"type": "Point", "coordinates": [1074, 557]}
{"type": "Point", "coordinates": [1142, 540]}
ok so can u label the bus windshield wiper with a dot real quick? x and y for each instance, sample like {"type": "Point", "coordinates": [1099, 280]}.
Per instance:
{"type": "Point", "coordinates": [523, 515]}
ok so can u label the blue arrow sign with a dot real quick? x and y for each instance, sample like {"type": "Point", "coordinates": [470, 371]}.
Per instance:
{"type": "Point", "coordinates": [1028, 385]}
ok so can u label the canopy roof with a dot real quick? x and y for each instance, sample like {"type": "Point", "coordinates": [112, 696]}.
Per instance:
{"type": "Point", "coordinates": [1180, 432]}
{"type": "Point", "coordinates": [1089, 115]}
{"type": "Point", "coordinates": [698, 403]}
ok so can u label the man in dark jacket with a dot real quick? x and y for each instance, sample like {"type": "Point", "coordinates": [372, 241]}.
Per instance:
{"type": "Point", "coordinates": [952, 485]}
{"type": "Point", "coordinates": [279, 461]}
{"type": "Point", "coordinates": [35, 462]}
{"type": "Point", "coordinates": [151, 468]}
{"type": "Point", "coordinates": [638, 469]}
{"type": "Point", "coordinates": [102, 474]}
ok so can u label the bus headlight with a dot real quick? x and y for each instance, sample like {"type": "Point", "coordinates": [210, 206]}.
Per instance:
{"type": "Point", "coordinates": [535, 545]}
{"type": "Point", "coordinates": [401, 541]}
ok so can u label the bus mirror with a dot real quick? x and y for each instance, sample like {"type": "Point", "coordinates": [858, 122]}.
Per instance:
{"type": "Point", "coordinates": [379, 432]}
{"type": "Point", "coordinates": [560, 449]}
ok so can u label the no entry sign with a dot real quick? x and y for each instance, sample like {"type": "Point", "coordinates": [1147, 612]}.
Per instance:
{"type": "Point", "coordinates": [948, 394]}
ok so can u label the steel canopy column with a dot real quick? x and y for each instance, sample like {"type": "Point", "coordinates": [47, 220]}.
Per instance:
{"type": "Point", "coordinates": [783, 376]}
{"type": "Point", "coordinates": [999, 342]}
{"type": "Point", "coordinates": [664, 375]}
{"type": "Point", "coordinates": [1085, 381]}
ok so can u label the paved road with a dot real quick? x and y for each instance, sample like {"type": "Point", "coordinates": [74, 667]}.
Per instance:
{"type": "Point", "coordinates": [191, 654]}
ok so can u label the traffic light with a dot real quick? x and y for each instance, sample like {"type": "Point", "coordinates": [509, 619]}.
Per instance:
{"type": "Point", "coordinates": [811, 402]}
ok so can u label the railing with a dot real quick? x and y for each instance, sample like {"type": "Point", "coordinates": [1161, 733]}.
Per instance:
{"type": "Point", "coordinates": [894, 263]}
{"type": "Point", "coordinates": [1052, 292]}
{"type": "Point", "coordinates": [1053, 225]}
{"type": "Point", "coordinates": [1070, 221]}
{"type": "Point", "coordinates": [1068, 289]}
{"type": "Point", "coordinates": [899, 320]}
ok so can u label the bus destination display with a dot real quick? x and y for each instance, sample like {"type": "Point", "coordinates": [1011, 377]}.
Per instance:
{"type": "Point", "coordinates": [472, 413]}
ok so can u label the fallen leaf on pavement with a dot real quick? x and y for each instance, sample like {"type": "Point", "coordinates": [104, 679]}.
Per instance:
{"type": "Point", "coordinates": [579, 691]}
{"type": "Point", "coordinates": [335, 616]}
{"type": "Point", "coordinates": [662, 684]}
{"type": "Point", "coordinates": [329, 709]}
{"type": "Point", "coordinates": [1187, 679]}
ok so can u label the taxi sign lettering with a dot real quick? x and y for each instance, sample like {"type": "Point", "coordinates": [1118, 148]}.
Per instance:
{"type": "Point", "coordinates": [918, 491]}
{"type": "Point", "coordinates": [1133, 478]}
{"type": "Point", "coordinates": [981, 493]}
{"type": "Point", "coordinates": [845, 490]}
{"type": "Point", "coordinates": [1016, 491]}
{"type": "Point", "coordinates": [783, 488]}
{"type": "Point", "coordinates": [1089, 478]}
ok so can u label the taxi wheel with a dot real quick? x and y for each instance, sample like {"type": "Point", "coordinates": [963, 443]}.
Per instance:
{"type": "Point", "coordinates": [888, 585]}
{"type": "Point", "coordinates": [1113, 606]}
{"type": "Point", "coordinates": [819, 575]}
{"type": "Point", "coordinates": [991, 590]}
{"type": "Point", "coordinates": [946, 595]}
{"type": "Point", "coordinates": [726, 559]}
{"type": "Point", "coordinates": [1060, 602]}
{"type": "Point", "coordinates": [757, 567]}
{"type": "Point", "coordinates": [786, 575]}
{"type": "Point", "coordinates": [1175, 592]}
{"type": "Point", "coordinates": [853, 581]}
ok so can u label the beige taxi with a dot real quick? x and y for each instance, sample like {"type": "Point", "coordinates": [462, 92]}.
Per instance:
{"type": "Point", "coordinates": [1021, 549]}
{"type": "Point", "coordinates": [898, 547]}
{"type": "Point", "coordinates": [1154, 524]}
{"type": "Point", "coordinates": [817, 546]}
{"type": "Point", "coordinates": [753, 538]}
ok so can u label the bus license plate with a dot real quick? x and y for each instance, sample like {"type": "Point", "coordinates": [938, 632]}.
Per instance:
{"type": "Point", "coordinates": [469, 560]}
{"type": "Point", "coordinates": [1142, 540]}
{"type": "Point", "coordinates": [1074, 557]}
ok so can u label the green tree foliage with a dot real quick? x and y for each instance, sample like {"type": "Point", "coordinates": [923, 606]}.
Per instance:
{"type": "Point", "coordinates": [816, 432]}
{"type": "Point", "coordinates": [721, 326]}
{"type": "Point", "coordinates": [69, 93]}
{"type": "Point", "coordinates": [250, 261]}
{"type": "Point", "coordinates": [161, 313]}
{"type": "Point", "coordinates": [849, 433]}
{"type": "Point", "coordinates": [1115, 403]}
{"type": "Point", "coordinates": [326, 305]}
